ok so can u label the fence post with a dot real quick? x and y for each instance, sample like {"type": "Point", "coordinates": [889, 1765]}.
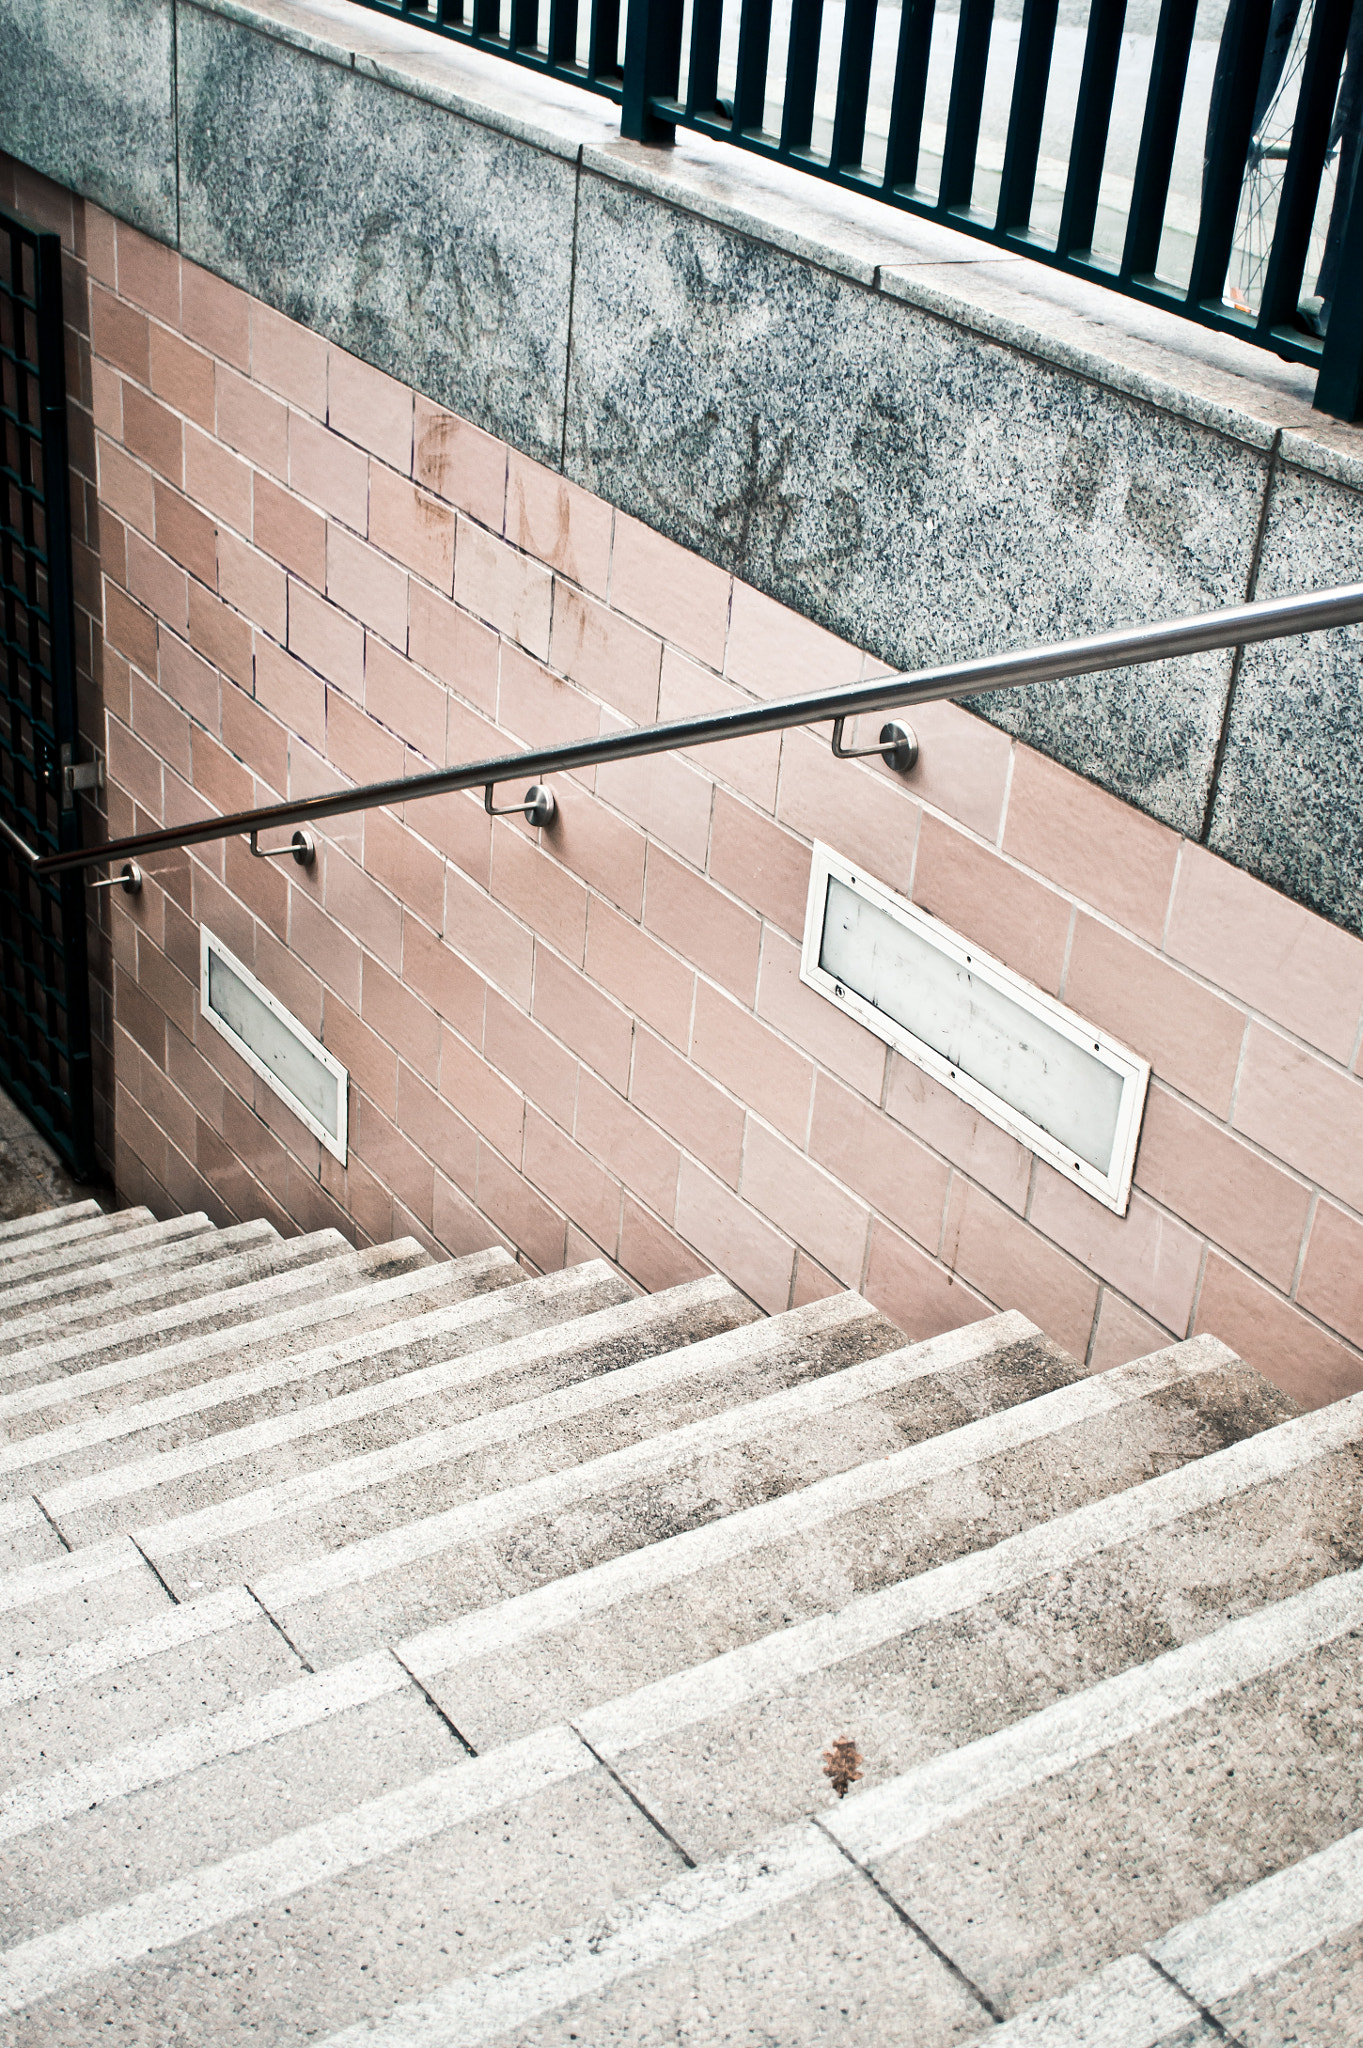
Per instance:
{"type": "Point", "coordinates": [1339, 387]}
{"type": "Point", "coordinates": [653, 39]}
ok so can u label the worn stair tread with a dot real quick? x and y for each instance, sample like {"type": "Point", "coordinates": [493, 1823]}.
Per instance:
{"type": "Point", "coordinates": [521, 1342]}
{"type": "Point", "coordinates": [39, 1220]}
{"type": "Point", "coordinates": [1279, 1962]}
{"type": "Point", "coordinates": [89, 1231]}
{"type": "Point", "coordinates": [285, 1312]}
{"type": "Point", "coordinates": [459, 1310]}
{"type": "Point", "coordinates": [66, 1250]}
{"type": "Point", "coordinates": [63, 1268]}
{"type": "Point", "coordinates": [1296, 1661]}
{"type": "Point", "coordinates": [31, 1315]}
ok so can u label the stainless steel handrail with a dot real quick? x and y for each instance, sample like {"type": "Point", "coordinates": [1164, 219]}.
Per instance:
{"type": "Point", "coordinates": [1235, 626]}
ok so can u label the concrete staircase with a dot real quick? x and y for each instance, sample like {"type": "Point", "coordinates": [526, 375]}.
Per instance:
{"type": "Point", "coordinates": [412, 1653]}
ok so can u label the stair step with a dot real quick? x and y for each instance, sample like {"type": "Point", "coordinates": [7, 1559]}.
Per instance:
{"type": "Point", "coordinates": [39, 1220]}
{"type": "Point", "coordinates": [62, 1268]}
{"type": "Point", "coordinates": [465, 1315]}
{"type": "Point", "coordinates": [75, 1598]}
{"type": "Point", "coordinates": [514, 1346]}
{"type": "Point", "coordinates": [1039, 1808]}
{"type": "Point", "coordinates": [1276, 1963]}
{"type": "Point", "coordinates": [287, 1311]}
{"type": "Point", "coordinates": [77, 1244]}
{"type": "Point", "coordinates": [106, 1292]}
{"type": "Point", "coordinates": [793, 1563]}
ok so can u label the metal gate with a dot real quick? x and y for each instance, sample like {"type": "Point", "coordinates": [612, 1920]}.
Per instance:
{"type": "Point", "coordinates": [44, 989]}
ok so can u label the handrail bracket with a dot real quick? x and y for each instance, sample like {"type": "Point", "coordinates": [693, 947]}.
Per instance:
{"type": "Point", "coordinates": [538, 806]}
{"type": "Point", "coordinates": [897, 746]}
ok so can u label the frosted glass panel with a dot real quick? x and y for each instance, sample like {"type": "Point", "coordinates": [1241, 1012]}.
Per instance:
{"type": "Point", "coordinates": [280, 1052]}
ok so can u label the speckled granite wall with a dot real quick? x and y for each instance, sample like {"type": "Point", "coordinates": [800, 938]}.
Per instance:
{"type": "Point", "coordinates": [836, 423]}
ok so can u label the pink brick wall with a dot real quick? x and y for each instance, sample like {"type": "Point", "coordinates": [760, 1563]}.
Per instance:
{"type": "Point", "coordinates": [595, 1040]}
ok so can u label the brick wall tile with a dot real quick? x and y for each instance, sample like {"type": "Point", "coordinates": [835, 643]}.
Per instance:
{"type": "Point", "coordinates": [194, 1078]}
{"type": "Point", "coordinates": [153, 433]}
{"type": "Point", "coordinates": [1075, 834]}
{"type": "Point", "coordinates": [407, 868]}
{"type": "Point", "coordinates": [500, 948]}
{"type": "Point", "coordinates": [1010, 1264]}
{"type": "Point", "coordinates": [1241, 1202]}
{"type": "Point", "coordinates": [217, 480]}
{"type": "Point", "coordinates": [126, 487]}
{"type": "Point", "coordinates": [615, 660]}
{"type": "Point", "coordinates": [390, 1154]}
{"type": "Point", "coordinates": [327, 640]}
{"type": "Point", "coordinates": [160, 725]}
{"type": "Point", "coordinates": [775, 652]}
{"type": "Point", "coordinates": [331, 953]}
{"type": "Point", "coordinates": [460, 463]}
{"type": "Point", "coordinates": [148, 274]}
{"type": "Point", "coordinates": [653, 1255]}
{"type": "Point", "coordinates": [121, 334]}
{"type": "Point", "coordinates": [605, 851]}
{"type": "Point", "coordinates": [682, 1102]}
{"type": "Point", "coordinates": [288, 358]}
{"type": "Point", "coordinates": [864, 813]}
{"type": "Point", "coordinates": [157, 582]}
{"type": "Point", "coordinates": [256, 738]}
{"type": "Point", "coordinates": [256, 883]}
{"type": "Point", "coordinates": [100, 243]}
{"type": "Point", "coordinates": [633, 1149]}
{"type": "Point", "coordinates": [539, 892]}
{"type": "Point", "coordinates": [174, 995]}
{"type": "Point", "coordinates": [449, 644]}
{"type": "Point", "coordinates": [913, 1290]}
{"type": "Point", "coordinates": [889, 1169]}
{"type": "Point", "coordinates": [437, 1130]}
{"type": "Point", "coordinates": [854, 1054]}
{"type": "Point", "coordinates": [436, 973]}
{"type": "Point", "coordinates": [574, 1180]}
{"type": "Point", "coordinates": [978, 894]}
{"type": "Point", "coordinates": [460, 828]}
{"type": "Point", "coordinates": [537, 707]}
{"type": "Point", "coordinates": [183, 376]}
{"type": "Point", "coordinates": [739, 1051]}
{"type": "Point", "coordinates": [673, 592]}
{"type": "Point", "coordinates": [665, 795]}
{"type": "Point", "coordinates": [1304, 1112]}
{"type": "Point", "coordinates": [1191, 1037]}
{"type": "Point", "coordinates": [458, 1225]}
{"type": "Point", "coordinates": [1296, 968]}
{"type": "Point", "coordinates": [598, 1030]}
{"type": "Point", "coordinates": [368, 1201]}
{"type": "Point", "coordinates": [292, 693]}
{"type": "Point", "coordinates": [106, 399]}
{"type": "Point", "coordinates": [253, 585]}
{"type": "Point", "coordinates": [805, 1203]}
{"type": "Point", "coordinates": [495, 1109]}
{"type": "Point", "coordinates": [811, 1282]}
{"type": "Point", "coordinates": [503, 588]}
{"type": "Point", "coordinates": [186, 535]}
{"type": "Point", "coordinates": [355, 902]}
{"type": "Point", "coordinates": [735, 1241]}
{"type": "Point", "coordinates": [1273, 1337]}
{"type": "Point", "coordinates": [962, 765]}
{"type": "Point", "coordinates": [759, 863]}
{"type": "Point", "coordinates": [371, 409]}
{"type": "Point", "coordinates": [751, 766]}
{"type": "Point", "coordinates": [545, 1074]}
{"type": "Point", "coordinates": [216, 315]}
{"type": "Point", "coordinates": [558, 523]}
{"type": "Point", "coordinates": [286, 977]}
{"type": "Point", "coordinates": [692, 916]}
{"type": "Point", "coordinates": [329, 471]}
{"type": "Point", "coordinates": [221, 635]}
{"type": "Point", "coordinates": [363, 583]}
{"type": "Point", "coordinates": [189, 681]}
{"type": "Point", "coordinates": [411, 525]}
{"type": "Point", "coordinates": [1122, 1333]}
{"type": "Point", "coordinates": [1151, 1257]}
{"type": "Point", "coordinates": [1331, 1284]}
{"type": "Point", "coordinates": [135, 768]}
{"type": "Point", "coordinates": [139, 1138]}
{"type": "Point", "coordinates": [958, 1131]}
{"type": "Point", "coordinates": [515, 1207]}
{"type": "Point", "coordinates": [290, 531]}
{"type": "Point", "coordinates": [253, 422]}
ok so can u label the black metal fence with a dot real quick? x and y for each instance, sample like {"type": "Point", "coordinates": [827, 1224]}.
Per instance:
{"type": "Point", "coordinates": [1200, 155]}
{"type": "Point", "coordinates": [44, 989]}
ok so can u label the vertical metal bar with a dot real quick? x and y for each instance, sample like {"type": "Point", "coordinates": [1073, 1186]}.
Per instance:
{"type": "Point", "coordinates": [854, 84]}
{"type": "Point", "coordinates": [1229, 127]}
{"type": "Point", "coordinates": [1159, 134]}
{"type": "Point", "coordinates": [603, 43]}
{"type": "Point", "coordinates": [1036, 41]}
{"type": "Point", "coordinates": [802, 75]}
{"type": "Point", "coordinates": [909, 95]}
{"type": "Point", "coordinates": [653, 38]}
{"type": "Point", "coordinates": [1339, 388]}
{"type": "Point", "coordinates": [702, 74]}
{"type": "Point", "coordinates": [750, 87]}
{"type": "Point", "coordinates": [562, 43]}
{"type": "Point", "coordinates": [487, 19]}
{"type": "Point", "coordinates": [1092, 117]}
{"type": "Point", "coordinates": [1305, 163]}
{"type": "Point", "coordinates": [963, 111]}
{"type": "Point", "coordinates": [525, 24]}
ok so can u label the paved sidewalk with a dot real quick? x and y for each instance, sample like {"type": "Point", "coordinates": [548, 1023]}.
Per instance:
{"type": "Point", "coordinates": [32, 1177]}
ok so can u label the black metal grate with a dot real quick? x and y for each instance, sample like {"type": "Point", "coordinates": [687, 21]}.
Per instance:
{"type": "Point", "coordinates": [44, 991]}
{"type": "Point", "coordinates": [579, 43]}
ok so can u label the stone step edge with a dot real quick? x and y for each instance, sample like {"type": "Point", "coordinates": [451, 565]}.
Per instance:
{"type": "Point", "coordinates": [64, 1267]}
{"type": "Point", "coordinates": [39, 1220]}
{"type": "Point", "coordinates": [889, 1819]}
{"type": "Point", "coordinates": [234, 1336]}
{"type": "Point", "coordinates": [106, 1223]}
{"type": "Point", "coordinates": [129, 1284]}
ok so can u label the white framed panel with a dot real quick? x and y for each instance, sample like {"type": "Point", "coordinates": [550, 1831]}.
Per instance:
{"type": "Point", "coordinates": [288, 1059]}
{"type": "Point", "coordinates": [1061, 1086]}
